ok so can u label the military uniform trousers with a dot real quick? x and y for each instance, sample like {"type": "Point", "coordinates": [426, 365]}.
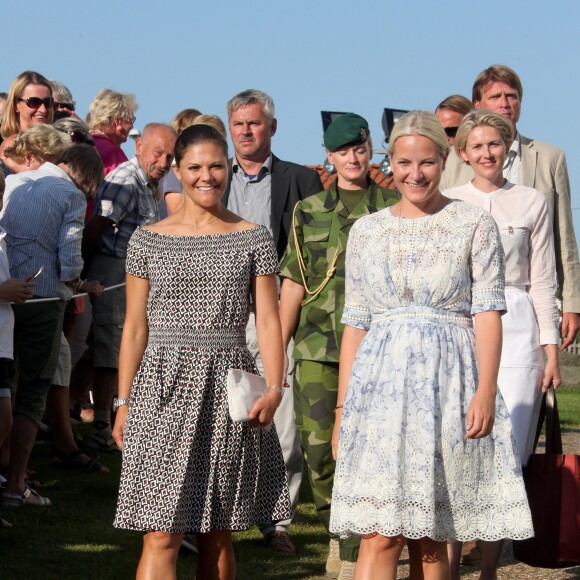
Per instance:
{"type": "Point", "coordinates": [315, 393]}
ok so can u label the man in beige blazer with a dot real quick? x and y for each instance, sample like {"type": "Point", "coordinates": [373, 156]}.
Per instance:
{"type": "Point", "coordinates": [534, 164]}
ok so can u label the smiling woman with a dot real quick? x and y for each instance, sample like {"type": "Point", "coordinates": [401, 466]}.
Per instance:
{"type": "Point", "coordinates": [208, 475]}
{"type": "Point", "coordinates": [417, 382]}
{"type": "Point", "coordinates": [29, 103]}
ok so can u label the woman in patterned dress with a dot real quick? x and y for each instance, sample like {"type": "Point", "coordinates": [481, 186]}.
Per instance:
{"type": "Point", "coordinates": [417, 459]}
{"type": "Point", "coordinates": [186, 466]}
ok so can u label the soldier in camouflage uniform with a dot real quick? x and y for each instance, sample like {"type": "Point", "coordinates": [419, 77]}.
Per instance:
{"type": "Point", "coordinates": [312, 300]}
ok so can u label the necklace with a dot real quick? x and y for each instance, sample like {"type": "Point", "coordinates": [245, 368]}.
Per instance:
{"type": "Point", "coordinates": [217, 217]}
{"type": "Point", "coordinates": [407, 294]}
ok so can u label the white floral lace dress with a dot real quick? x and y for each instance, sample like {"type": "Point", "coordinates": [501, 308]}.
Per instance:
{"type": "Point", "coordinates": [404, 466]}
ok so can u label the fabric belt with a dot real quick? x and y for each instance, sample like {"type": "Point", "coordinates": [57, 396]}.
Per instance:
{"type": "Point", "coordinates": [197, 337]}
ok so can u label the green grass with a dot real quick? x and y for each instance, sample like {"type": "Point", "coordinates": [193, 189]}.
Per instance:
{"type": "Point", "coordinates": [74, 538]}
{"type": "Point", "coordinates": [568, 406]}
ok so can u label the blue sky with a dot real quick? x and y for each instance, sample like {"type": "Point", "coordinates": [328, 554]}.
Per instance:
{"type": "Point", "coordinates": [309, 55]}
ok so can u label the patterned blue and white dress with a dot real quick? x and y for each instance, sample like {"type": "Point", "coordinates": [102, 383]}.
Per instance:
{"type": "Point", "coordinates": [404, 466]}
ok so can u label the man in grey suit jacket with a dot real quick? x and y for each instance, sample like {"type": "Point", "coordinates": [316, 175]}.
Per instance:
{"type": "Point", "coordinates": [264, 190]}
{"type": "Point", "coordinates": [534, 164]}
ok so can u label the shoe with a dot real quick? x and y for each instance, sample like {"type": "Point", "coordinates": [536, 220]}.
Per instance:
{"type": "Point", "coordinates": [470, 554]}
{"type": "Point", "coordinates": [75, 460]}
{"type": "Point", "coordinates": [100, 442]}
{"type": "Point", "coordinates": [189, 542]}
{"type": "Point", "coordinates": [333, 563]}
{"type": "Point", "coordinates": [18, 499]}
{"type": "Point", "coordinates": [346, 570]}
{"type": "Point", "coordinates": [280, 542]}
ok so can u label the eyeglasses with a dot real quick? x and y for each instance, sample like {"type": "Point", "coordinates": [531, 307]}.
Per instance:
{"type": "Point", "coordinates": [131, 120]}
{"type": "Point", "coordinates": [450, 131]}
{"type": "Point", "coordinates": [69, 106]}
{"type": "Point", "coordinates": [37, 102]}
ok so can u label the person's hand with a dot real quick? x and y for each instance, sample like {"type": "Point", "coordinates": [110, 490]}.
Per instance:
{"type": "Point", "coordinates": [119, 427]}
{"type": "Point", "coordinates": [481, 414]}
{"type": "Point", "coordinates": [17, 291]}
{"type": "Point", "coordinates": [92, 287]}
{"type": "Point", "coordinates": [336, 432]}
{"type": "Point", "coordinates": [570, 327]}
{"type": "Point", "coordinates": [263, 411]}
{"type": "Point", "coordinates": [551, 375]}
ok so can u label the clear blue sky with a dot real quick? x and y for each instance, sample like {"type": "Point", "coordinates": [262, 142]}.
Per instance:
{"type": "Point", "coordinates": [309, 55]}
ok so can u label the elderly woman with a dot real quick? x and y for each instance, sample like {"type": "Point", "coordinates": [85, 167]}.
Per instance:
{"type": "Point", "coordinates": [30, 149]}
{"type": "Point", "coordinates": [29, 103]}
{"type": "Point", "coordinates": [311, 302]}
{"type": "Point", "coordinates": [417, 459]}
{"type": "Point", "coordinates": [111, 117]}
{"type": "Point", "coordinates": [531, 322]}
{"type": "Point", "coordinates": [43, 215]}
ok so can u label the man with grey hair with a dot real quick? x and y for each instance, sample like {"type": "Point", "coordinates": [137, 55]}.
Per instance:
{"type": "Point", "coordinates": [264, 190]}
{"type": "Point", "coordinates": [126, 199]}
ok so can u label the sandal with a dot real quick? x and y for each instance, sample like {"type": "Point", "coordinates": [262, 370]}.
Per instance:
{"type": "Point", "coordinates": [18, 499]}
{"type": "Point", "coordinates": [75, 460]}
{"type": "Point", "coordinates": [98, 443]}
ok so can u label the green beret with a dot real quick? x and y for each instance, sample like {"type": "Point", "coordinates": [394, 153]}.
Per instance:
{"type": "Point", "coordinates": [348, 129]}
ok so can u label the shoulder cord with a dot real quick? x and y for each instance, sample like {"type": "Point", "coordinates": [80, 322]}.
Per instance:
{"type": "Point", "coordinates": [302, 267]}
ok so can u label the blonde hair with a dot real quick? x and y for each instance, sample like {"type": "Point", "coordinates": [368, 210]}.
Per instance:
{"type": "Point", "coordinates": [213, 121]}
{"type": "Point", "coordinates": [10, 120]}
{"type": "Point", "coordinates": [109, 105]}
{"type": "Point", "coordinates": [422, 123]}
{"type": "Point", "coordinates": [483, 118]}
{"type": "Point", "coordinates": [42, 141]}
{"type": "Point", "coordinates": [184, 119]}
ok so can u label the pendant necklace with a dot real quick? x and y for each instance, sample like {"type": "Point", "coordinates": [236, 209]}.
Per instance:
{"type": "Point", "coordinates": [407, 294]}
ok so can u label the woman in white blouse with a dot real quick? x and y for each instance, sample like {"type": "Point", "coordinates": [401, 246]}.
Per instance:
{"type": "Point", "coordinates": [531, 322]}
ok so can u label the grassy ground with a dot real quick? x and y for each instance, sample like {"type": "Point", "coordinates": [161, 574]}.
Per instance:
{"type": "Point", "coordinates": [74, 538]}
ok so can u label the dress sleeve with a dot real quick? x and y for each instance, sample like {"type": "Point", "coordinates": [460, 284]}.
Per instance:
{"type": "Point", "coordinates": [265, 257]}
{"type": "Point", "coordinates": [356, 312]}
{"type": "Point", "coordinates": [487, 267]}
{"type": "Point", "coordinates": [136, 263]}
{"type": "Point", "coordinates": [543, 273]}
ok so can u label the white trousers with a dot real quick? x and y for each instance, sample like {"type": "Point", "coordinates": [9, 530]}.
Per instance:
{"type": "Point", "coordinates": [286, 429]}
{"type": "Point", "coordinates": [521, 369]}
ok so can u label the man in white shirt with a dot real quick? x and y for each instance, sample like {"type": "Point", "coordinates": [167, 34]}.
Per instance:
{"type": "Point", "coordinates": [534, 164]}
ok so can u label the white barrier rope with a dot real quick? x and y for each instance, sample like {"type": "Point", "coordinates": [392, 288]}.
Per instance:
{"type": "Point", "coordinates": [56, 299]}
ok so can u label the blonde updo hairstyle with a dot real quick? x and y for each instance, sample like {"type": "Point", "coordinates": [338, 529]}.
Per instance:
{"type": "Point", "coordinates": [423, 123]}
{"type": "Point", "coordinates": [483, 118]}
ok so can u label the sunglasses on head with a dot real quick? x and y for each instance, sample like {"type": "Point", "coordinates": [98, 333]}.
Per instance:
{"type": "Point", "coordinates": [37, 102]}
{"type": "Point", "coordinates": [450, 131]}
{"type": "Point", "coordinates": [69, 106]}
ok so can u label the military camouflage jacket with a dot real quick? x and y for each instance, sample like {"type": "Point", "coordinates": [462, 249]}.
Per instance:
{"type": "Point", "coordinates": [321, 227]}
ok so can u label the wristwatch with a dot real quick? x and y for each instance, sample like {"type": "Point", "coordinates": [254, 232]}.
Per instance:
{"type": "Point", "coordinates": [120, 402]}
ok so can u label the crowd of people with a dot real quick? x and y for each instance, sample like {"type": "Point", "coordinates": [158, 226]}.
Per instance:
{"type": "Point", "coordinates": [375, 316]}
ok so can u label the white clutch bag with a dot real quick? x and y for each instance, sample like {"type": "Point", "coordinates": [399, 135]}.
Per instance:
{"type": "Point", "coordinates": [244, 389]}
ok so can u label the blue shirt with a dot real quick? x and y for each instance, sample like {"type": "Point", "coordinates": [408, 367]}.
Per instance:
{"type": "Point", "coordinates": [44, 216]}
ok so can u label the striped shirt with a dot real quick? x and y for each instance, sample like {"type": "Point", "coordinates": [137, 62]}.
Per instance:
{"type": "Point", "coordinates": [129, 199]}
{"type": "Point", "coordinates": [44, 216]}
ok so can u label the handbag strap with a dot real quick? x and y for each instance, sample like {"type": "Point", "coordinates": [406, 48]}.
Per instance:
{"type": "Point", "coordinates": [549, 413]}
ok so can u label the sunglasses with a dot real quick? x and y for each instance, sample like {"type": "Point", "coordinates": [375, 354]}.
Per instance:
{"type": "Point", "coordinates": [69, 106]}
{"type": "Point", "coordinates": [450, 131]}
{"type": "Point", "coordinates": [37, 102]}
